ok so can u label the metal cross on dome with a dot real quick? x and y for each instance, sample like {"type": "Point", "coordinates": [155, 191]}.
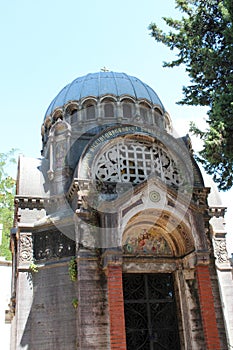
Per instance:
{"type": "Point", "coordinates": [104, 69]}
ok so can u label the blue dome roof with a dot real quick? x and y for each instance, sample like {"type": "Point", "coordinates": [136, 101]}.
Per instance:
{"type": "Point", "coordinates": [102, 83]}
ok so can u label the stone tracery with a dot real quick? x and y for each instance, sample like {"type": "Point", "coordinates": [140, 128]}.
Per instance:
{"type": "Point", "coordinates": [134, 161]}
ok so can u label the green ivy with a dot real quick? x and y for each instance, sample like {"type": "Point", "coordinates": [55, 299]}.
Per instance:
{"type": "Point", "coordinates": [75, 303]}
{"type": "Point", "coordinates": [33, 268]}
{"type": "Point", "coordinates": [73, 269]}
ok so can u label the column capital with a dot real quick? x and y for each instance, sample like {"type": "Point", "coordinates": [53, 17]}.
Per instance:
{"type": "Point", "coordinates": [112, 256]}
{"type": "Point", "coordinates": [203, 257]}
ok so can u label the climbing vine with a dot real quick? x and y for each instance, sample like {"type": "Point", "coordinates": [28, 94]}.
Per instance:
{"type": "Point", "coordinates": [73, 269]}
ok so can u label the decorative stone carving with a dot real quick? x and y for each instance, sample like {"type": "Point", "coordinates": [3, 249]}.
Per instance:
{"type": "Point", "coordinates": [25, 248]}
{"type": "Point", "coordinates": [200, 196]}
{"type": "Point", "coordinates": [220, 250]}
{"type": "Point", "coordinates": [134, 161]}
{"type": "Point", "coordinates": [154, 196]}
{"type": "Point", "coordinates": [86, 237]}
{"type": "Point", "coordinates": [52, 245]}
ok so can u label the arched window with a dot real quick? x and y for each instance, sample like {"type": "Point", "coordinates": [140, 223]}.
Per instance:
{"type": "Point", "coordinates": [144, 110]}
{"type": "Point", "coordinates": [128, 109]}
{"type": "Point", "coordinates": [73, 116]}
{"type": "Point", "coordinates": [156, 117]}
{"type": "Point", "coordinates": [108, 108]}
{"type": "Point", "coordinates": [90, 111]}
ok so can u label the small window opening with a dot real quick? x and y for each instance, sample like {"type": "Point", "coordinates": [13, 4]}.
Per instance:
{"type": "Point", "coordinates": [74, 116]}
{"type": "Point", "coordinates": [90, 112]}
{"type": "Point", "coordinates": [108, 110]}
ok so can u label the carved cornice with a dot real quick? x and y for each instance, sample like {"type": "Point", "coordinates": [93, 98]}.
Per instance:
{"type": "Point", "coordinates": [73, 190]}
{"type": "Point", "coordinates": [217, 211]}
{"type": "Point", "coordinates": [24, 202]}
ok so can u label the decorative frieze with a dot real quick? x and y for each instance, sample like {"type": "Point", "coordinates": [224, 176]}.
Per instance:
{"type": "Point", "coordinates": [30, 202]}
{"type": "Point", "coordinates": [53, 244]}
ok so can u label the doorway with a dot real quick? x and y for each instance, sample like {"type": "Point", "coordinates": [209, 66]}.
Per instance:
{"type": "Point", "coordinates": [150, 312]}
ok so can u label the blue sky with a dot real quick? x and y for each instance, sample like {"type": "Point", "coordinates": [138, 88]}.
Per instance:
{"type": "Point", "coordinates": [47, 44]}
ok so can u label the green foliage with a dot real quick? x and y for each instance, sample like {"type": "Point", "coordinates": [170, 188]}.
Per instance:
{"type": "Point", "coordinates": [75, 303]}
{"type": "Point", "coordinates": [33, 268]}
{"type": "Point", "coordinates": [203, 40]}
{"type": "Point", "coordinates": [7, 192]}
{"type": "Point", "coordinates": [73, 269]}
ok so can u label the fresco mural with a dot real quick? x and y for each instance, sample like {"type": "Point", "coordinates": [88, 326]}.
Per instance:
{"type": "Point", "coordinates": [147, 242]}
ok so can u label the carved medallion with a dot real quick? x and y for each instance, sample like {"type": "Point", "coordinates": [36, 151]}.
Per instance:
{"type": "Point", "coordinates": [154, 196]}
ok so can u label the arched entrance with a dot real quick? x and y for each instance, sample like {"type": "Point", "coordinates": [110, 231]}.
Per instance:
{"type": "Point", "coordinates": [154, 241]}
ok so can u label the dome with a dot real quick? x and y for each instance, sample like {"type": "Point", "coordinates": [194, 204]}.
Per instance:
{"type": "Point", "coordinates": [102, 83]}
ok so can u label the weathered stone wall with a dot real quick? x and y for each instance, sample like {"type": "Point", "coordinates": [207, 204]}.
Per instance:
{"type": "Point", "coordinates": [218, 306]}
{"type": "Point", "coordinates": [46, 318]}
{"type": "Point", "coordinates": [93, 318]}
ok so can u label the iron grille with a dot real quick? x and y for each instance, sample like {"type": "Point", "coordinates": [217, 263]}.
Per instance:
{"type": "Point", "coordinates": [150, 312]}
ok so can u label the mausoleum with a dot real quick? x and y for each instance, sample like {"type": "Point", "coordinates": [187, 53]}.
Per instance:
{"type": "Point", "coordinates": [118, 241]}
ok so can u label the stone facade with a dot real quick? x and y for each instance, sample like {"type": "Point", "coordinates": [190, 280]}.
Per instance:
{"type": "Point", "coordinates": [117, 244]}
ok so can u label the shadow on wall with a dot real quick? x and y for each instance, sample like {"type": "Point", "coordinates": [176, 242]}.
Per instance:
{"type": "Point", "coordinates": [51, 322]}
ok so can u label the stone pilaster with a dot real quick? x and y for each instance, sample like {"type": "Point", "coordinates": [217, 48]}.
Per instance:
{"type": "Point", "coordinates": [209, 319]}
{"type": "Point", "coordinates": [93, 332]}
{"type": "Point", "coordinates": [113, 266]}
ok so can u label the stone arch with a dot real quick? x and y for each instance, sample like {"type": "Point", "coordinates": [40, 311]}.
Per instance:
{"type": "Point", "coordinates": [71, 112]}
{"type": "Point", "coordinates": [108, 98]}
{"type": "Point", "coordinates": [57, 114]}
{"type": "Point", "coordinates": [89, 105]}
{"type": "Point", "coordinates": [145, 110]}
{"type": "Point", "coordinates": [108, 107]}
{"type": "Point", "coordinates": [60, 127]}
{"type": "Point", "coordinates": [128, 107]}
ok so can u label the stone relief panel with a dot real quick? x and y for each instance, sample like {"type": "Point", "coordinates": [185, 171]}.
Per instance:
{"type": "Point", "coordinates": [220, 250]}
{"type": "Point", "coordinates": [25, 248]}
{"type": "Point", "coordinates": [53, 244]}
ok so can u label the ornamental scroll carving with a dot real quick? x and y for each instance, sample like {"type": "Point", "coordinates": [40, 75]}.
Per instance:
{"type": "Point", "coordinates": [25, 248]}
{"type": "Point", "coordinates": [220, 249]}
{"type": "Point", "coordinates": [52, 245]}
{"type": "Point", "coordinates": [133, 161]}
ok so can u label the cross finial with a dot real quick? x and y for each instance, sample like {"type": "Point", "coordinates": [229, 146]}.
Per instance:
{"type": "Point", "coordinates": [104, 69]}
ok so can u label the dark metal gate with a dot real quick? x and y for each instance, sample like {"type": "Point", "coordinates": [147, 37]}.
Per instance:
{"type": "Point", "coordinates": [150, 312]}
